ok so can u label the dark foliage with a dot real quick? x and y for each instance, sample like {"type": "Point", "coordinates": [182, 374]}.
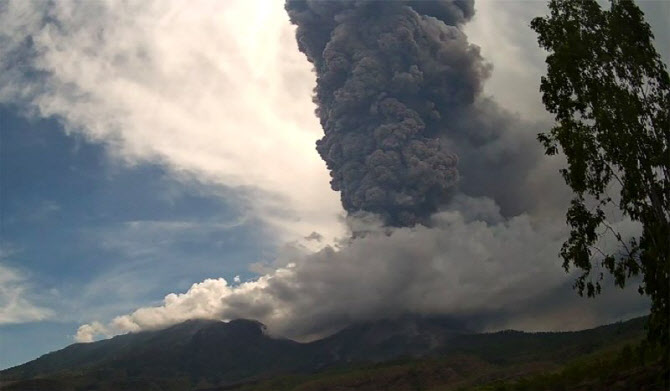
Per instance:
{"type": "Point", "coordinates": [610, 94]}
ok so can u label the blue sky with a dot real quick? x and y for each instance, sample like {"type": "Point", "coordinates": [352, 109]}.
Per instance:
{"type": "Point", "coordinates": [96, 237]}
{"type": "Point", "coordinates": [148, 148]}
{"type": "Point", "coordinates": [118, 190]}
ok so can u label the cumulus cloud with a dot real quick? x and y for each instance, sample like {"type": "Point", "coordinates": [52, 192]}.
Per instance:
{"type": "Point", "coordinates": [399, 94]}
{"type": "Point", "coordinates": [17, 303]}
{"type": "Point", "coordinates": [219, 91]}
{"type": "Point", "coordinates": [88, 332]}
{"type": "Point", "coordinates": [472, 263]}
{"type": "Point", "coordinates": [214, 90]}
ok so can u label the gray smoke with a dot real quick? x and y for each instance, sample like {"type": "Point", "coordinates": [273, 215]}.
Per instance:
{"type": "Point", "coordinates": [397, 92]}
{"type": "Point", "coordinates": [472, 265]}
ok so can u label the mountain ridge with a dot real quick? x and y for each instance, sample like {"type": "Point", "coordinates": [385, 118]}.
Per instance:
{"type": "Point", "coordinates": [217, 353]}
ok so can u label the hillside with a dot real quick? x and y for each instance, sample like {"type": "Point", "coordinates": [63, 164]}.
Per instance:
{"type": "Point", "coordinates": [203, 354]}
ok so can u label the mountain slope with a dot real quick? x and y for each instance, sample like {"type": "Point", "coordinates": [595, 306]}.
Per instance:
{"type": "Point", "coordinates": [195, 348]}
{"type": "Point", "coordinates": [201, 354]}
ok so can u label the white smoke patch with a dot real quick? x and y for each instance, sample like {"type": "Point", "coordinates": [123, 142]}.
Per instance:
{"type": "Point", "coordinates": [215, 90]}
{"type": "Point", "coordinates": [16, 298]}
{"type": "Point", "coordinates": [471, 263]}
{"type": "Point", "coordinates": [88, 332]}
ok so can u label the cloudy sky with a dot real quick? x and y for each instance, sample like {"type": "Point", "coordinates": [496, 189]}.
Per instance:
{"type": "Point", "coordinates": [158, 163]}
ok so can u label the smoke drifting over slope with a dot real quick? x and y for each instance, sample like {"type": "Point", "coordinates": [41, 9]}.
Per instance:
{"type": "Point", "coordinates": [472, 265]}
{"type": "Point", "coordinates": [407, 134]}
{"type": "Point", "coordinates": [397, 95]}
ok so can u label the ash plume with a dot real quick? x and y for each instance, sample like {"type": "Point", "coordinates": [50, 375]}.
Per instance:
{"type": "Point", "coordinates": [398, 83]}
{"type": "Point", "coordinates": [394, 81]}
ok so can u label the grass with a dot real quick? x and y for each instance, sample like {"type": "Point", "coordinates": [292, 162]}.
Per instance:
{"type": "Point", "coordinates": [630, 365]}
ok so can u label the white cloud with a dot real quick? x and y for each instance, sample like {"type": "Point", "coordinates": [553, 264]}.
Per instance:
{"type": "Point", "coordinates": [87, 332]}
{"type": "Point", "coordinates": [16, 304]}
{"type": "Point", "coordinates": [217, 90]}
{"type": "Point", "coordinates": [153, 237]}
{"type": "Point", "coordinates": [462, 266]}
{"type": "Point", "coordinates": [502, 30]}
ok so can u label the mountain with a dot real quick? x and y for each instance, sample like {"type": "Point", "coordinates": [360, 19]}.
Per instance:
{"type": "Point", "coordinates": [386, 339]}
{"type": "Point", "coordinates": [195, 349]}
{"type": "Point", "coordinates": [206, 353]}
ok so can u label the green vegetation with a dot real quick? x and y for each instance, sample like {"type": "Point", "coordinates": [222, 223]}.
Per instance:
{"type": "Point", "coordinates": [606, 358]}
{"type": "Point", "coordinates": [602, 358]}
{"type": "Point", "coordinates": [610, 94]}
{"type": "Point", "coordinates": [630, 366]}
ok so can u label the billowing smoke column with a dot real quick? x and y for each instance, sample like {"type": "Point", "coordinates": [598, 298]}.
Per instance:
{"type": "Point", "coordinates": [391, 77]}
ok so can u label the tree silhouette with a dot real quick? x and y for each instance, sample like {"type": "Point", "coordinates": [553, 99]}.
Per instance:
{"type": "Point", "coordinates": [610, 94]}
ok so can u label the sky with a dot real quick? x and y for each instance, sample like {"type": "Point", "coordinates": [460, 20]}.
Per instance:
{"type": "Point", "coordinates": [158, 163]}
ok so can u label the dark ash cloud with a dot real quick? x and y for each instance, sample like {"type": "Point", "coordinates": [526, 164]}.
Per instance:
{"type": "Point", "coordinates": [472, 264]}
{"type": "Point", "coordinates": [456, 181]}
{"type": "Point", "coordinates": [398, 95]}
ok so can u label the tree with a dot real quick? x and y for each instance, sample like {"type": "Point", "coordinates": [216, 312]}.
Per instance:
{"type": "Point", "coordinates": [610, 94]}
